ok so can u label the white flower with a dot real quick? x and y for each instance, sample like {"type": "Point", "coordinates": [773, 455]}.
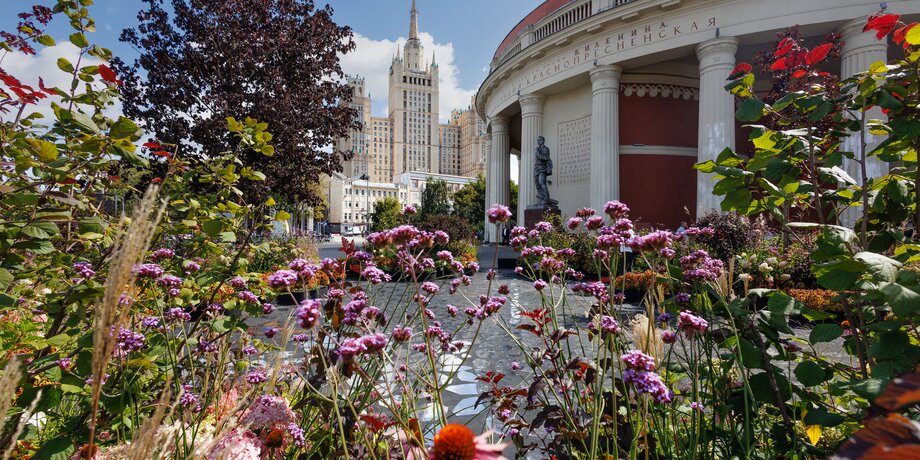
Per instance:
{"type": "Point", "coordinates": [764, 267]}
{"type": "Point", "coordinates": [772, 260]}
{"type": "Point", "coordinates": [785, 277]}
{"type": "Point", "coordinates": [745, 277]}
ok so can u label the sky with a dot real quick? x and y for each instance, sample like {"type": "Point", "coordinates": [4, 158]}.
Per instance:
{"type": "Point", "coordinates": [464, 36]}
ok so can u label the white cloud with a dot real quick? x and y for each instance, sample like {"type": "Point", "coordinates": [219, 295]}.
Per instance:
{"type": "Point", "coordinates": [371, 59]}
{"type": "Point", "coordinates": [28, 68]}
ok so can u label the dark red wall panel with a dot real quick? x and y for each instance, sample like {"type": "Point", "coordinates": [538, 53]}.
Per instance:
{"type": "Point", "coordinates": [657, 188]}
{"type": "Point", "coordinates": [658, 121]}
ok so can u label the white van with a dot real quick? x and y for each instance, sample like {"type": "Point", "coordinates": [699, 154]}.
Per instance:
{"type": "Point", "coordinates": [353, 231]}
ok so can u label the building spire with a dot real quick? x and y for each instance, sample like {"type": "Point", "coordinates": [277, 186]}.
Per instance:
{"type": "Point", "coordinates": [413, 23]}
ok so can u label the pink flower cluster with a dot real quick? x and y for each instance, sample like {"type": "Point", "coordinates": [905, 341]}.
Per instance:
{"type": "Point", "coordinates": [308, 313]}
{"type": "Point", "coordinates": [690, 324]}
{"type": "Point", "coordinates": [616, 210]}
{"type": "Point", "coordinates": [362, 345]}
{"type": "Point", "coordinates": [640, 373]}
{"type": "Point", "coordinates": [83, 270]}
{"type": "Point", "coordinates": [169, 281]}
{"type": "Point", "coordinates": [498, 213]}
{"type": "Point", "coordinates": [148, 270]}
{"type": "Point", "coordinates": [282, 279]}
{"type": "Point", "coordinates": [163, 253]}
{"type": "Point", "coordinates": [606, 324]}
{"type": "Point", "coordinates": [268, 411]}
{"type": "Point", "coordinates": [698, 266]}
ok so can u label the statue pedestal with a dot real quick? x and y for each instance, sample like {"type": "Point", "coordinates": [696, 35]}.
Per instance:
{"type": "Point", "coordinates": [537, 213]}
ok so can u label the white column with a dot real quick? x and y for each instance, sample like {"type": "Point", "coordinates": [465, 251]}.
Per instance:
{"type": "Point", "coordinates": [861, 50]}
{"type": "Point", "coordinates": [717, 113]}
{"type": "Point", "coordinates": [498, 165]}
{"type": "Point", "coordinates": [531, 128]}
{"type": "Point", "coordinates": [605, 135]}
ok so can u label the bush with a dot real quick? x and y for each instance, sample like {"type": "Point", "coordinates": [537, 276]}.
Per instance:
{"type": "Point", "coordinates": [635, 281]}
{"type": "Point", "coordinates": [733, 233]}
{"type": "Point", "coordinates": [817, 299]}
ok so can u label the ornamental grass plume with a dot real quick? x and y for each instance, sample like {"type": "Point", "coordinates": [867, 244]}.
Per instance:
{"type": "Point", "coordinates": [129, 250]}
{"type": "Point", "coordinates": [647, 337]}
{"type": "Point", "coordinates": [149, 438]}
{"type": "Point", "coordinates": [9, 382]}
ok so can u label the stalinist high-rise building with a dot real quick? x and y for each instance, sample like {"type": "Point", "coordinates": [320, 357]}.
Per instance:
{"type": "Point", "coordinates": [410, 138]}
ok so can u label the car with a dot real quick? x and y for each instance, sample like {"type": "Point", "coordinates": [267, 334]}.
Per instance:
{"type": "Point", "coordinates": [353, 231]}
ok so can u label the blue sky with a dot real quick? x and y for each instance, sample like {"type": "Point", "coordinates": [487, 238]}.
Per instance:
{"type": "Point", "coordinates": [463, 34]}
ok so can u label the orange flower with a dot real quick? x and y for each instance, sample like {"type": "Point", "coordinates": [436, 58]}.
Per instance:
{"type": "Point", "coordinates": [457, 442]}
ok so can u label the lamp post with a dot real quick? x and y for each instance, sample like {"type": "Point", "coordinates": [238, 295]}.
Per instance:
{"type": "Point", "coordinates": [367, 198]}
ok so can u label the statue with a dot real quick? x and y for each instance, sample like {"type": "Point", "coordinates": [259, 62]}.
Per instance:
{"type": "Point", "coordinates": [542, 168]}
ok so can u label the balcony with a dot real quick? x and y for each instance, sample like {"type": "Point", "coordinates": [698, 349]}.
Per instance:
{"type": "Point", "coordinates": [551, 17]}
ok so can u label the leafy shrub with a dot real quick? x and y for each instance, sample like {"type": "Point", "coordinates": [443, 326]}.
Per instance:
{"type": "Point", "coordinates": [817, 299]}
{"type": "Point", "coordinates": [635, 281]}
{"type": "Point", "coordinates": [733, 233]}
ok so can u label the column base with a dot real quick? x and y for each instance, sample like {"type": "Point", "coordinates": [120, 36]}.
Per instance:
{"type": "Point", "coordinates": [537, 213]}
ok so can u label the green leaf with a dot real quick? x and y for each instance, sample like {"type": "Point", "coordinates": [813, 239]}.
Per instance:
{"type": "Point", "coordinates": [6, 279]}
{"type": "Point", "coordinates": [282, 216]}
{"type": "Point", "coordinates": [750, 110]}
{"type": "Point", "coordinates": [130, 155]}
{"type": "Point", "coordinates": [890, 345]}
{"type": "Point", "coordinates": [820, 416]}
{"type": "Point", "coordinates": [903, 301]}
{"type": "Point", "coordinates": [84, 122]}
{"type": "Point", "coordinates": [55, 449]}
{"type": "Point", "coordinates": [46, 40]}
{"type": "Point", "coordinates": [810, 374]}
{"type": "Point", "coordinates": [79, 40]}
{"type": "Point", "coordinates": [882, 268]}
{"type": "Point", "coordinates": [782, 304]}
{"type": "Point", "coordinates": [124, 128]}
{"type": "Point", "coordinates": [824, 333]}
{"type": "Point", "coordinates": [65, 65]}
{"type": "Point", "coordinates": [212, 227]}
{"type": "Point", "coordinates": [760, 387]}
{"type": "Point", "coordinates": [838, 275]}
{"type": "Point", "coordinates": [45, 151]}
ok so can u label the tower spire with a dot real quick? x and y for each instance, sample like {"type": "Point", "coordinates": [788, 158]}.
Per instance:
{"type": "Point", "coordinates": [413, 23]}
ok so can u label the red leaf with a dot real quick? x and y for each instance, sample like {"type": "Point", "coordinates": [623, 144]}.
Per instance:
{"type": "Point", "coordinates": [818, 54]}
{"type": "Point", "coordinates": [883, 23]}
{"type": "Point", "coordinates": [780, 64]}
{"type": "Point", "coordinates": [41, 86]}
{"type": "Point", "coordinates": [68, 181]}
{"type": "Point", "coordinates": [799, 73]}
{"type": "Point", "coordinates": [902, 32]}
{"type": "Point", "coordinates": [153, 145]}
{"type": "Point", "coordinates": [108, 75]}
{"type": "Point", "coordinates": [784, 47]}
{"type": "Point", "coordinates": [162, 153]}
{"type": "Point", "coordinates": [741, 69]}
{"type": "Point", "coordinates": [156, 180]}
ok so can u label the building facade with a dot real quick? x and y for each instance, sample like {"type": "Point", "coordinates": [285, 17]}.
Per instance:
{"type": "Point", "coordinates": [411, 137]}
{"type": "Point", "coordinates": [352, 200]}
{"type": "Point", "coordinates": [629, 94]}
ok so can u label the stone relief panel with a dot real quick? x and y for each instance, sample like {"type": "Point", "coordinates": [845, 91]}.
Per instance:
{"type": "Point", "coordinates": [573, 154]}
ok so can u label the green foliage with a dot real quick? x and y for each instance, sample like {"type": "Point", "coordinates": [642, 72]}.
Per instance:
{"type": "Point", "coordinates": [387, 214]}
{"type": "Point", "coordinates": [435, 199]}
{"type": "Point", "coordinates": [470, 202]}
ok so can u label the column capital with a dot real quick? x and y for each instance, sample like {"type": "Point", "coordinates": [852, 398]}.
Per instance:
{"type": "Point", "coordinates": [499, 124]}
{"type": "Point", "coordinates": [717, 52]}
{"type": "Point", "coordinates": [605, 76]}
{"type": "Point", "coordinates": [531, 104]}
{"type": "Point", "coordinates": [855, 40]}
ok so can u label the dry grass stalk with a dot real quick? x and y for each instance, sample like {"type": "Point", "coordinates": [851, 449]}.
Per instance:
{"type": "Point", "coordinates": [9, 381]}
{"type": "Point", "coordinates": [130, 248]}
{"type": "Point", "coordinates": [150, 438]}
{"type": "Point", "coordinates": [647, 337]}
{"type": "Point", "coordinates": [23, 420]}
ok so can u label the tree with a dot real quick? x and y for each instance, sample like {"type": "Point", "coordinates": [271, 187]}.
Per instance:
{"type": "Point", "coordinates": [276, 60]}
{"type": "Point", "coordinates": [435, 199]}
{"type": "Point", "coordinates": [470, 202]}
{"type": "Point", "coordinates": [386, 214]}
